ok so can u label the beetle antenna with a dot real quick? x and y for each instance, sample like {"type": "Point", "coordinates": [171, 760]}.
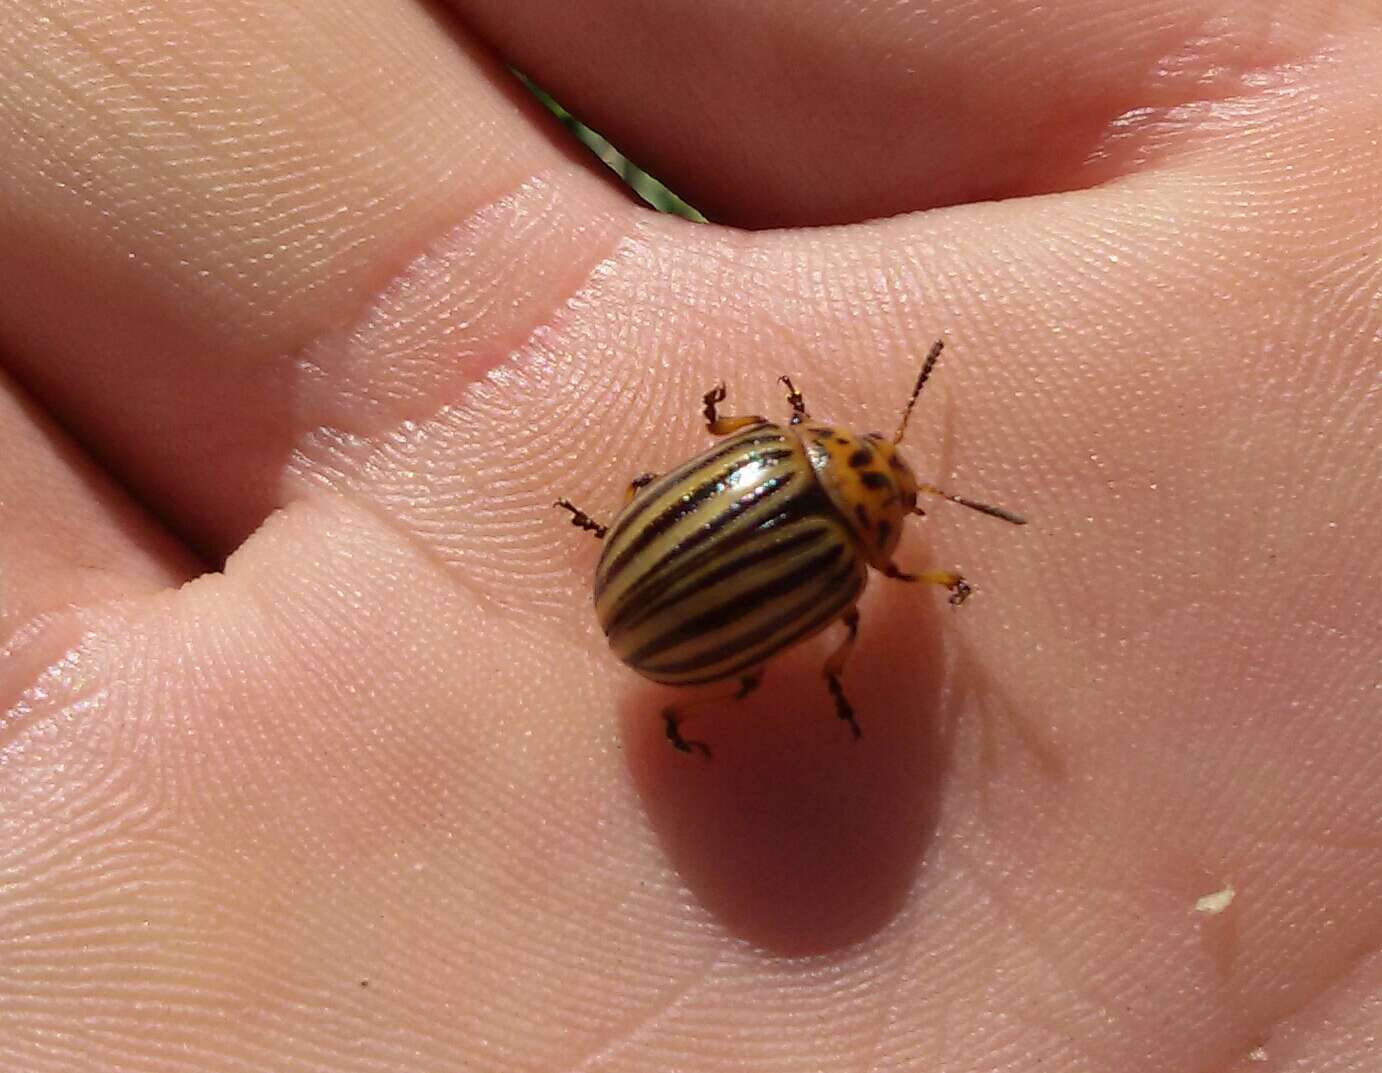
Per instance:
{"type": "Point", "coordinates": [972, 504]}
{"type": "Point", "coordinates": [930, 363]}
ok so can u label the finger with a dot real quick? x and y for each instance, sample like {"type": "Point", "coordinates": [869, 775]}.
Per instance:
{"type": "Point", "coordinates": [71, 538]}
{"type": "Point", "coordinates": [200, 206]}
{"type": "Point", "coordinates": [771, 114]}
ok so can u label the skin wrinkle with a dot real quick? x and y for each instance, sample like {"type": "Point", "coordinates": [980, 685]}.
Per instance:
{"type": "Point", "coordinates": [630, 1033]}
{"type": "Point", "coordinates": [446, 570]}
{"type": "Point", "coordinates": [102, 568]}
{"type": "Point", "coordinates": [170, 179]}
{"type": "Point", "coordinates": [1260, 1030]}
{"type": "Point", "coordinates": [1145, 137]}
{"type": "Point", "coordinates": [130, 79]}
{"type": "Point", "coordinates": [200, 179]}
{"type": "Point", "coordinates": [1047, 953]}
{"type": "Point", "coordinates": [1337, 982]}
{"type": "Point", "coordinates": [46, 644]}
{"type": "Point", "coordinates": [435, 255]}
{"type": "Point", "coordinates": [872, 1054]}
{"type": "Point", "coordinates": [308, 469]}
{"type": "Point", "coordinates": [1230, 53]}
{"type": "Point", "coordinates": [1322, 1006]}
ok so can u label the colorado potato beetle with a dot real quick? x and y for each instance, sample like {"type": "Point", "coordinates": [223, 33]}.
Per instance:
{"type": "Point", "coordinates": [756, 544]}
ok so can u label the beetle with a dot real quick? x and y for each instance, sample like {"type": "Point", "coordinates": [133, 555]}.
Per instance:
{"type": "Point", "coordinates": [757, 544]}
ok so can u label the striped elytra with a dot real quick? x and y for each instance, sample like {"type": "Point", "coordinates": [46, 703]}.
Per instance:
{"type": "Point", "coordinates": [759, 542]}
{"type": "Point", "coordinates": [724, 561]}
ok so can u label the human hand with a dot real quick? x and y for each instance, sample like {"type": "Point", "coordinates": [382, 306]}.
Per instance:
{"type": "Point", "coordinates": [317, 288]}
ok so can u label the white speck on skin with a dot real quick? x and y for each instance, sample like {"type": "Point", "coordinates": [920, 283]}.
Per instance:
{"type": "Point", "coordinates": [1214, 904]}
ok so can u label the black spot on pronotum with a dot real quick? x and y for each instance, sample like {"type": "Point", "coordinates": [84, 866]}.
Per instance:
{"type": "Point", "coordinates": [862, 513]}
{"type": "Point", "coordinates": [861, 458]}
{"type": "Point", "coordinates": [875, 480]}
{"type": "Point", "coordinates": [883, 530]}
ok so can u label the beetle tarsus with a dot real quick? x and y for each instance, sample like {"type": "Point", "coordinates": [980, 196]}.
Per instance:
{"type": "Point", "coordinates": [712, 398]}
{"type": "Point", "coordinates": [723, 426]}
{"type": "Point", "coordinates": [843, 708]}
{"type": "Point", "coordinates": [834, 668]}
{"type": "Point", "coordinates": [683, 745]}
{"type": "Point", "coordinates": [581, 520]}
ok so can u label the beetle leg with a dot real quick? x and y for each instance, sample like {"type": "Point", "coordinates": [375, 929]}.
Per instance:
{"type": "Point", "coordinates": [960, 589]}
{"type": "Point", "coordinates": [834, 667]}
{"type": "Point", "coordinates": [642, 480]}
{"type": "Point", "coordinates": [581, 520]}
{"type": "Point", "coordinates": [723, 426]}
{"type": "Point", "coordinates": [674, 715]}
{"type": "Point", "coordinates": [795, 401]}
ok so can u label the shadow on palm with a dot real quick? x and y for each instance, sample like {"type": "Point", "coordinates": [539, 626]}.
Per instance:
{"type": "Point", "coordinates": [795, 837]}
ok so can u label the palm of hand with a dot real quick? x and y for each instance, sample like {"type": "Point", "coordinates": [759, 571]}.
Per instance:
{"type": "Point", "coordinates": [375, 796]}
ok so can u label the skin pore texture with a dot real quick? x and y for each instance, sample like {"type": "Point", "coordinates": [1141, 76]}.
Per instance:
{"type": "Point", "coordinates": [312, 756]}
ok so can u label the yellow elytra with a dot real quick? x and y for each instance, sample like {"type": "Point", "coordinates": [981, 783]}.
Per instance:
{"type": "Point", "coordinates": [756, 544]}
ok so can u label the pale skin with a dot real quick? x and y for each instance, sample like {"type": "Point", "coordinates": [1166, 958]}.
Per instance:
{"type": "Point", "coordinates": [313, 287]}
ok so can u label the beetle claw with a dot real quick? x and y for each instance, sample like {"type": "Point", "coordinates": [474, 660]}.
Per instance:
{"type": "Point", "coordinates": [961, 591]}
